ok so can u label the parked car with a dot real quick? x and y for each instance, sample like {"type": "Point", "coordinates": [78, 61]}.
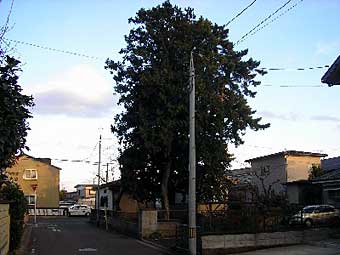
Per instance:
{"type": "Point", "coordinates": [316, 215]}
{"type": "Point", "coordinates": [65, 205]}
{"type": "Point", "coordinates": [83, 210]}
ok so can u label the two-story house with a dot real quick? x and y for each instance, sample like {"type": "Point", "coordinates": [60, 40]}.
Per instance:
{"type": "Point", "coordinates": [86, 194]}
{"type": "Point", "coordinates": [284, 172]}
{"type": "Point", "coordinates": [29, 172]}
{"type": "Point", "coordinates": [330, 181]}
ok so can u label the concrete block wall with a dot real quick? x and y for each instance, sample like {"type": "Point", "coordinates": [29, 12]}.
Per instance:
{"type": "Point", "coordinates": [4, 229]}
{"type": "Point", "coordinates": [148, 224]}
{"type": "Point", "coordinates": [218, 244]}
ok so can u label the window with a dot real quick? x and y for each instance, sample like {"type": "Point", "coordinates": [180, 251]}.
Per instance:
{"type": "Point", "coordinates": [30, 199]}
{"type": "Point", "coordinates": [30, 174]}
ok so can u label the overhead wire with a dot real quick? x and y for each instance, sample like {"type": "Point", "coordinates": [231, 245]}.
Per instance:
{"type": "Point", "coordinates": [262, 22]}
{"type": "Point", "coordinates": [271, 21]}
{"type": "Point", "coordinates": [94, 57]}
{"type": "Point", "coordinates": [56, 50]}
{"type": "Point", "coordinates": [240, 13]}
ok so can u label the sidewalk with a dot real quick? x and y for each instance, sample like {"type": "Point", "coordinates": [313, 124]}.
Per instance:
{"type": "Point", "coordinates": [295, 250]}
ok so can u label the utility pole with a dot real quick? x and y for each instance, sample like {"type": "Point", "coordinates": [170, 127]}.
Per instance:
{"type": "Point", "coordinates": [192, 161]}
{"type": "Point", "coordinates": [107, 172]}
{"type": "Point", "coordinates": [99, 159]}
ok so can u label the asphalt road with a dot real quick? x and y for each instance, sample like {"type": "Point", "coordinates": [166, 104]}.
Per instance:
{"type": "Point", "coordinates": [75, 235]}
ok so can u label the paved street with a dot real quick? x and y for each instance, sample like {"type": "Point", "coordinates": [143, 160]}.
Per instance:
{"type": "Point", "coordinates": [76, 236]}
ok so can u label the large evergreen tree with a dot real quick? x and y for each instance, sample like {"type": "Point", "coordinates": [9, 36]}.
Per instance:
{"type": "Point", "coordinates": [152, 80]}
{"type": "Point", "coordinates": [14, 112]}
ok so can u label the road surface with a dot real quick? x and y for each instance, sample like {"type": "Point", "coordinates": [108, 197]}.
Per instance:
{"type": "Point", "coordinates": [75, 235]}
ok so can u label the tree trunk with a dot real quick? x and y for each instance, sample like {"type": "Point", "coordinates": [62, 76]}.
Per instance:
{"type": "Point", "coordinates": [120, 195]}
{"type": "Point", "coordinates": [164, 188]}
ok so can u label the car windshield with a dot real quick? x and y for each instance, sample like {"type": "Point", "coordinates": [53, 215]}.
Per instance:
{"type": "Point", "coordinates": [309, 209]}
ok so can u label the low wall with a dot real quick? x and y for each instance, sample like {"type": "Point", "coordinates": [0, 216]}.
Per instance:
{"type": "Point", "coordinates": [125, 227]}
{"type": "Point", "coordinates": [4, 228]}
{"type": "Point", "coordinates": [48, 212]}
{"type": "Point", "coordinates": [223, 244]}
{"type": "Point", "coordinates": [149, 225]}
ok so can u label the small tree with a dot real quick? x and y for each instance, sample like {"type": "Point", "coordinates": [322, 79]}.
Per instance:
{"type": "Point", "coordinates": [62, 194]}
{"type": "Point", "coordinates": [315, 171]}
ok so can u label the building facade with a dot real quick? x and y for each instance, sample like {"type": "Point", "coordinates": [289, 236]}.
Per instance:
{"type": "Point", "coordinates": [330, 181]}
{"type": "Point", "coordinates": [86, 194]}
{"type": "Point", "coordinates": [272, 173]}
{"type": "Point", "coordinates": [29, 172]}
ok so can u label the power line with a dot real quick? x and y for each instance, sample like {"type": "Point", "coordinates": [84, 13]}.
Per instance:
{"type": "Point", "coordinates": [55, 50]}
{"type": "Point", "coordinates": [240, 13]}
{"type": "Point", "coordinates": [274, 19]}
{"type": "Point", "coordinates": [262, 22]}
{"type": "Point", "coordinates": [294, 86]}
{"type": "Point", "coordinates": [292, 69]}
{"type": "Point", "coordinates": [94, 57]}
{"type": "Point", "coordinates": [91, 154]}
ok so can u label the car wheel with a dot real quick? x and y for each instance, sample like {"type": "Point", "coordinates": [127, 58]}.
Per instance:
{"type": "Point", "coordinates": [87, 214]}
{"type": "Point", "coordinates": [308, 223]}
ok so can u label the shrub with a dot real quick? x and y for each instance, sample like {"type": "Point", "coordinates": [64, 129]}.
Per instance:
{"type": "Point", "coordinates": [18, 205]}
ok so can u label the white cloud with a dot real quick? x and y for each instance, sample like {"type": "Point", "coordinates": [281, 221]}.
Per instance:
{"type": "Point", "coordinates": [81, 91]}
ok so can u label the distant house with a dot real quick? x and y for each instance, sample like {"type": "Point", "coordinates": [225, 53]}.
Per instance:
{"type": "Point", "coordinates": [108, 195]}
{"type": "Point", "coordinates": [71, 196]}
{"type": "Point", "coordinates": [86, 193]}
{"type": "Point", "coordinates": [280, 171]}
{"type": "Point", "coordinates": [29, 171]}
{"type": "Point", "coordinates": [330, 181]}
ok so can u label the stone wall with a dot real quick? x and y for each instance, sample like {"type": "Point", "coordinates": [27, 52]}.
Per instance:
{"type": "Point", "coordinates": [223, 244]}
{"type": "Point", "coordinates": [4, 228]}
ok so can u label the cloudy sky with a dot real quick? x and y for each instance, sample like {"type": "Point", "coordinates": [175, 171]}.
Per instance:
{"type": "Point", "coordinates": [74, 96]}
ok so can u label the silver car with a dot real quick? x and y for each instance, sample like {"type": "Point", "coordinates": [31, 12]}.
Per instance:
{"type": "Point", "coordinates": [316, 215]}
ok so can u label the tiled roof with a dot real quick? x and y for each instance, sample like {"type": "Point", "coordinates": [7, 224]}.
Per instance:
{"type": "Point", "coordinates": [330, 176]}
{"type": "Point", "coordinates": [332, 76]}
{"type": "Point", "coordinates": [330, 164]}
{"type": "Point", "coordinates": [291, 153]}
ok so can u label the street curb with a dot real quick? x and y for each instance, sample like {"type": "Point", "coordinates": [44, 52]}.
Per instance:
{"type": "Point", "coordinates": [156, 246]}
{"type": "Point", "coordinates": [25, 239]}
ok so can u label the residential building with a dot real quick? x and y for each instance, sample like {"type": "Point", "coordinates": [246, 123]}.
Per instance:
{"type": "Point", "coordinates": [86, 194]}
{"type": "Point", "coordinates": [71, 196]}
{"type": "Point", "coordinates": [273, 172]}
{"type": "Point", "coordinates": [29, 172]}
{"type": "Point", "coordinates": [330, 181]}
{"type": "Point", "coordinates": [108, 194]}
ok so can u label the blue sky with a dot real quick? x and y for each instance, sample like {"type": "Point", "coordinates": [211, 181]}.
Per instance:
{"type": "Point", "coordinates": [74, 101]}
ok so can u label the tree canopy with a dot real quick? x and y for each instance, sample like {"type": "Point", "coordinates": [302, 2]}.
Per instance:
{"type": "Point", "coordinates": [152, 80]}
{"type": "Point", "coordinates": [14, 112]}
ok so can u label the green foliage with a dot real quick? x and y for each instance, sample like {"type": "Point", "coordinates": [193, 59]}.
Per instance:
{"type": "Point", "coordinates": [152, 81]}
{"type": "Point", "coordinates": [14, 113]}
{"type": "Point", "coordinates": [62, 194]}
{"type": "Point", "coordinates": [315, 171]}
{"type": "Point", "coordinates": [10, 191]}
